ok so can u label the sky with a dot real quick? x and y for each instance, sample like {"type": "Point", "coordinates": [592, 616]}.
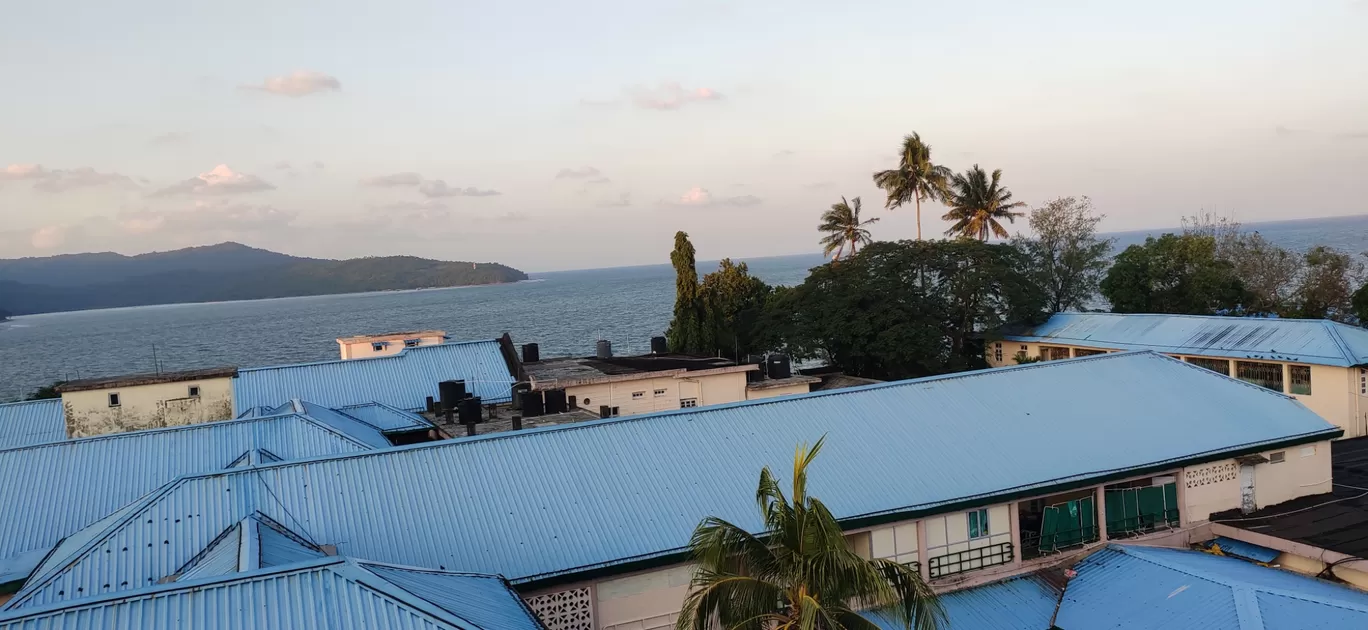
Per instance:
{"type": "Point", "coordinates": [559, 135]}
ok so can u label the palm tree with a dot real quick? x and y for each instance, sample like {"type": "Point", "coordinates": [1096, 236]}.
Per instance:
{"type": "Point", "coordinates": [977, 204]}
{"type": "Point", "coordinates": [915, 179]}
{"type": "Point", "coordinates": [799, 574]}
{"type": "Point", "coordinates": [843, 227]}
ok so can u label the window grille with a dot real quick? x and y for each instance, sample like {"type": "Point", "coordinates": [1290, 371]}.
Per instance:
{"type": "Point", "coordinates": [1269, 375]}
{"type": "Point", "coordinates": [1221, 366]}
{"type": "Point", "coordinates": [565, 610]}
{"type": "Point", "coordinates": [1300, 375]}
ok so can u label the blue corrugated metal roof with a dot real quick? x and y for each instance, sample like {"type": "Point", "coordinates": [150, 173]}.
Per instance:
{"type": "Point", "coordinates": [333, 593]}
{"type": "Point", "coordinates": [33, 422]}
{"type": "Point", "coordinates": [1242, 549]}
{"type": "Point", "coordinates": [1316, 341]}
{"type": "Point", "coordinates": [559, 499]}
{"type": "Point", "coordinates": [1129, 587]}
{"type": "Point", "coordinates": [1024, 603]}
{"type": "Point", "coordinates": [51, 491]}
{"type": "Point", "coordinates": [402, 380]}
{"type": "Point", "coordinates": [385, 417]}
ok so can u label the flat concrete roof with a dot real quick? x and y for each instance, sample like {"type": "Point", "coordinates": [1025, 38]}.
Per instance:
{"type": "Point", "coordinates": [133, 380]}
{"type": "Point", "coordinates": [393, 336]}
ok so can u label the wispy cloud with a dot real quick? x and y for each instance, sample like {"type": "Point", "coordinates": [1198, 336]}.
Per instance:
{"type": "Point", "coordinates": [670, 96]}
{"type": "Point", "coordinates": [221, 180]}
{"type": "Point", "coordinates": [785, 154]}
{"type": "Point", "coordinates": [215, 218]}
{"type": "Point", "coordinates": [170, 138]}
{"type": "Point", "coordinates": [1353, 135]}
{"type": "Point", "coordinates": [698, 197]}
{"type": "Point", "coordinates": [62, 180]}
{"type": "Point", "coordinates": [49, 237]}
{"type": "Point", "coordinates": [578, 173]}
{"type": "Point", "coordinates": [16, 172]}
{"type": "Point", "coordinates": [621, 201]}
{"type": "Point", "coordinates": [599, 180]}
{"type": "Point", "coordinates": [393, 181]}
{"type": "Point", "coordinates": [299, 83]}
{"type": "Point", "coordinates": [439, 188]}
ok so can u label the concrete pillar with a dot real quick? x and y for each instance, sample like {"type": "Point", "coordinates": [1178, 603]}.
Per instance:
{"type": "Point", "coordinates": [924, 560]}
{"type": "Point", "coordinates": [1101, 503]}
{"type": "Point", "coordinates": [1013, 515]}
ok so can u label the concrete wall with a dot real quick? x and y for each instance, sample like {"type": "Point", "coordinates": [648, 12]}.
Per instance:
{"type": "Point", "coordinates": [1215, 487]}
{"type": "Point", "coordinates": [642, 601]}
{"type": "Point", "coordinates": [147, 407]}
{"type": "Point", "coordinates": [660, 394]}
{"type": "Point", "coordinates": [1337, 394]}
{"type": "Point", "coordinates": [949, 533]}
{"type": "Point", "coordinates": [771, 392]}
{"type": "Point", "coordinates": [366, 349]}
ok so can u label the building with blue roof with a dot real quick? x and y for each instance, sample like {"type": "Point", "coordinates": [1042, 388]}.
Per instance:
{"type": "Point", "coordinates": [53, 490]}
{"type": "Point", "coordinates": [31, 422]}
{"type": "Point", "coordinates": [402, 381]}
{"type": "Point", "coordinates": [987, 471]}
{"type": "Point", "coordinates": [325, 592]}
{"type": "Point", "coordinates": [1321, 363]}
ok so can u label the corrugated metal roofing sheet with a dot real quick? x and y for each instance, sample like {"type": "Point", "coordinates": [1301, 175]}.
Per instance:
{"type": "Point", "coordinates": [402, 380]}
{"type": "Point", "coordinates": [1242, 549]}
{"type": "Point", "coordinates": [33, 422]}
{"type": "Point", "coordinates": [1024, 603]}
{"type": "Point", "coordinates": [385, 417]}
{"type": "Point", "coordinates": [1316, 341]}
{"type": "Point", "coordinates": [51, 491]}
{"type": "Point", "coordinates": [480, 599]}
{"type": "Point", "coordinates": [1129, 587]}
{"type": "Point", "coordinates": [560, 499]}
{"type": "Point", "coordinates": [332, 593]}
{"type": "Point", "coordinates": [279, 546]}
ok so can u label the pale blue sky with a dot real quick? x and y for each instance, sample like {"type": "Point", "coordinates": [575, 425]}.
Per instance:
{"type": "Point", "coordinates": [736, 121]}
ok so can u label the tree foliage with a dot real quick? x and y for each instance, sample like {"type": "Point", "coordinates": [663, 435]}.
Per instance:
{"type": "Point", "coordinates": [978, 203]}
{"type": "Point", "coordinates": [1067, 260]}
{"type": "Point", "coordinates": [46, 392]}
{"type": "Point", "coordinates": [1325, 289]}
{"type": "Point", "coordinates": [916, 179]}
{"type": "Point", "coordinates": [731, 304]}
{"type": "Point", "coordinates": [842, 227]}
{"type": "Point", "coordinates": [1173, 274]}
{"type": "Point", "coordinates": [905, 309]}
{"type": "Point", "coordinates": [685, 333]}
{"type": "Point", "coordinates": [799, 574]}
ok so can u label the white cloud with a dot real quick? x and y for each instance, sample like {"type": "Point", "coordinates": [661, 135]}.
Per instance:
{"type": "Point", "coordinates": [393, 181]}
{"type": "Point", "coordinates": [62, 180]}
{"type": "Point", "coordinates": [671, 96]}
{"type": "Point", "coordinates": [48, 237]}
{"type": "Point", "coordinates": [283, 165]}
{"type": "Point", "coordinates": [695, 196]}
{"type": "Point", "coordinates": [221, 180]}
{"type": "Point", "coordinates": [16, 172]}
{"type": "Point", "coordinates": [439, 188]}
{"type": "Point", "coordinates": [621, 201]}
{"type": "Point", "coordinates": [300, 83]}
{"type": "Point", "coordinates": [578, 173]}
{"type": "Point", "coordinates": [785, 154]}
{"type": "Point", "coordinates": [170, 138]}
{"type": "Point", "coordinates": [698, 197]}
{"type": "Point", "coordinates": [600, 180]}
{"type": "Point", "coordinates": [206, 219]}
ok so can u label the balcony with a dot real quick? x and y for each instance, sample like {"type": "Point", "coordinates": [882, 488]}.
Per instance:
{"type": "Point", "coordinates": [970, 560]}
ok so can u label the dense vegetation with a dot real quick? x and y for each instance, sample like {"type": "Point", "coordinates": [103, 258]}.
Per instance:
{"type": "Point", "coordinates": [221, 272]}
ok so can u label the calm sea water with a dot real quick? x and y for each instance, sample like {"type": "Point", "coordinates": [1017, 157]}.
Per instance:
{"type": "Point", "coordinates": [565, 312]}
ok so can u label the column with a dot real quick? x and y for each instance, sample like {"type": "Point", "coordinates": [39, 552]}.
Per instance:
{"type": "Point", "coordinates": [923, 560]}
{"type": "Point", "coordinates": [1101, 503]}
{"type": "Point", "coordinates": [1016, 533]}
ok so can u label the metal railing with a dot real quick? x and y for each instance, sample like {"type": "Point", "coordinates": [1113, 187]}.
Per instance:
{"type": "Point", "coordinates": [970, 560]}
{"type": "Point", "coordinates": [1034, 545]}
{"type": "Point", "coordinates": [1141, 524]}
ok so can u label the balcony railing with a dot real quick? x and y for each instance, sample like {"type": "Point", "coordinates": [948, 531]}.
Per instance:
{"type": "Point", "coordinates": [970, 559]}
{"type": "Point", "coordinates": [1141, 524]}
{"type": "Point", "coordinates": [1034, 545]}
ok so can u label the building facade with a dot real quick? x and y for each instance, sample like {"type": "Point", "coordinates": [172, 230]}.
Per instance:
{"type": "Point", "coordinates": [148, 401]}
{"type": "Point", "coordinates": [370, 346]}
{"type": "Point", "coordinates": [1322, 364]}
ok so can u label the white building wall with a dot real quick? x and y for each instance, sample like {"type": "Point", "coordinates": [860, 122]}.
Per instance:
{"type": "Point", "coordinates": [147, 406]}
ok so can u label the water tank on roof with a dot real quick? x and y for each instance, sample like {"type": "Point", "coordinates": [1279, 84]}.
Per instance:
{"type": "Point", "coordinates": [659, 345]}
{"type": "Point", "coordinates": [470, 410]}
{"type": "Point", "coordinates": [555, 401]}
{"type": "Point", "coordinates": [779, 366]}
{"type": "Point", "coordinates": [452, 392]}
{"type": "Point", "coordinates": [531, 353]}
{"type": "Point", "coordinates": [531, 404]}
{"type": "Point", "coordinates": [604, 349]}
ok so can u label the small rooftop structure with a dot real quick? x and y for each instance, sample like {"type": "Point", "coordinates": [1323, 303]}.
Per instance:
{"type": "Point", "coordinates": [1315, 341]}
{"type": "Point", "coordinates": [324, 592]}
{"type": "Point", "coordinates": [134, 380]}
{"type": "Point", "coordinates": [31, 422]}
{"type": "Point", "coordinates": [563, 372]}
{"type": "Point", "coordinates": [774, 383]}
{"type": "Point", "coordinates": [371, 346]}
{"type": "Point", "coordinates": [394, 336]}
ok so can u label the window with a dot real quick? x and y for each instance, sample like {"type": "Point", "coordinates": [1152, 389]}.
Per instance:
{"type": "Point", "coordinates": [1363, 381]}
{"type": "Point", "coordinates": [1053, 353]}
{"type": "Point", "coordinates": [1025, 349]}
{"type": "Point", "coordinates": [638, 395]}
{"type": "Point", "coordinates": [378, 346]}
{"type": "Point", "coordinates": [411, 343]}
{"type": "Point", "coordinates": [614, 412]}
{"type": "Point", "coordinates": [997, 352]}
{"type": "Point", "coordinates": [685, 403]}
{"type": "Point", "coordinates": [1300, 375]}
{"type": "Point", "coordinates": [659, 393]}
{"type": "Point", "coordinates": [978, 523]}
{"type": "Point", "coordinates": [194, 391]}
{"type": "Point", "coordinates": [1268, 375]}
{"type": "Point", "coordinates": [1221, 366]}
{"type": "Point", "coordinates": [1278, 457]}
{"type": "Point", "coordinates": [586, 401]}
{"type": "Point", "coordinates": [1084, 352]}
{"type": "Point", "coordinates": [114, 400]}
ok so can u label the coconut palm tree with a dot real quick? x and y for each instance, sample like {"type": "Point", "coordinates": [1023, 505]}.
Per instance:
{"type": "Point", "coordinates": [799, 574]}
{"type": "Point", "coordinates": [915, 179]}
{"type": "Point", "coordinates": [978, 204]}
{"type": "Point", "coordinates": [843, 227]}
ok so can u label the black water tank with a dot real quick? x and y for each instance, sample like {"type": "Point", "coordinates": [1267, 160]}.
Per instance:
{"type": "Point", "coordinates": [659, 345]}
{"type": "Point", "coordinates": [452, 392]}
{"type": "Point", "coordinates": [518, 389]}
{"type": "Point", "coordinates": [555, 401]}
{"type": "Point", "coordinates": [603, 349]}
{"type": "Point", "coordinates": [531, 404]}
{"type": "Point", "coordinates": [605, 411]}
{"type": "Point", "coordinates": [779, 366]}
{"type": "Point", "coordinates": [470, 410]}
{"type": "Point", "coordinates": [531, 353]}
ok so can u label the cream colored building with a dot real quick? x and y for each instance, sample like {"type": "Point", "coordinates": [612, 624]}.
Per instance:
{"type": "Point", "coordinates": [645, 384]}
{"type": "Point", "coordinates": [370, 346]}
{"type": "Point", "coordinates": [1322, 364]}
{"type": "Point", "coordinates": [148, 401]}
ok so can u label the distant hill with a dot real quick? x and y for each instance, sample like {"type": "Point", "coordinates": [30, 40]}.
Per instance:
{"type": "Point", "coordinates": [227, 271]}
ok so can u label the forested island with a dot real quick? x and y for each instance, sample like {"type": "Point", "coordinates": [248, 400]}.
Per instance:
{"type": "Point", "coordinates": [227, 271]}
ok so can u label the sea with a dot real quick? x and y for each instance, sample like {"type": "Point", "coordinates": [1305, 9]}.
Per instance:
{"type": "Point", "coordinates": [564, 312]}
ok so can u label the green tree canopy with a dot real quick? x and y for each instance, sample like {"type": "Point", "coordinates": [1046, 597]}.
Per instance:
{"type": "Point", "coordinates": [685, 331]}
{"type": "Point", "coordinates": [1325, 288]}
{"type": "Point", "coordinates": [799, 574]}
{"type": "Point", "coordinates": [1067, 259]}
{"type": "Point", "coordinates": [1173, 274]}
{"type": "Point", "coordinates": [732, 302]}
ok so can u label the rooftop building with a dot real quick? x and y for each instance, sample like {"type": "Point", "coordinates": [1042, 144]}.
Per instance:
{"type": "Point", "coordinates": [1321, 363]}
{"type": "Point", "coordinates": [371, 346]}
{"type": "Point", "coordinates": [147, 401]}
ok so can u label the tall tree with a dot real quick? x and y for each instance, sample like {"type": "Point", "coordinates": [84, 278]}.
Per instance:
{"type": "Point", "coordinates": [843, 227]}
{"type": "Point", "coordinates": [1067, 259]}
{"type": "Point", "coordinates": [916, 179]}
{"type": "Point", "coordinates": [1325, 288]}
{"type": "Point", "coordinates": [978, 204]}
{"type": "Point", "coordinates": [685, 331]}
{"type": "Point", "coordinates": [731, 302]}
{"type": "Point", "coordinates": [799, 574]}
{"type": "Point", "coordinates": [1173, 274]}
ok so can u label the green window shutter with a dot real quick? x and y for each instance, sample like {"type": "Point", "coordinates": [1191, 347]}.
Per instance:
{"type": "Point", "coordinates": [1049, 528]}
{"type": "Point", "coordinates": [1087, 519]}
